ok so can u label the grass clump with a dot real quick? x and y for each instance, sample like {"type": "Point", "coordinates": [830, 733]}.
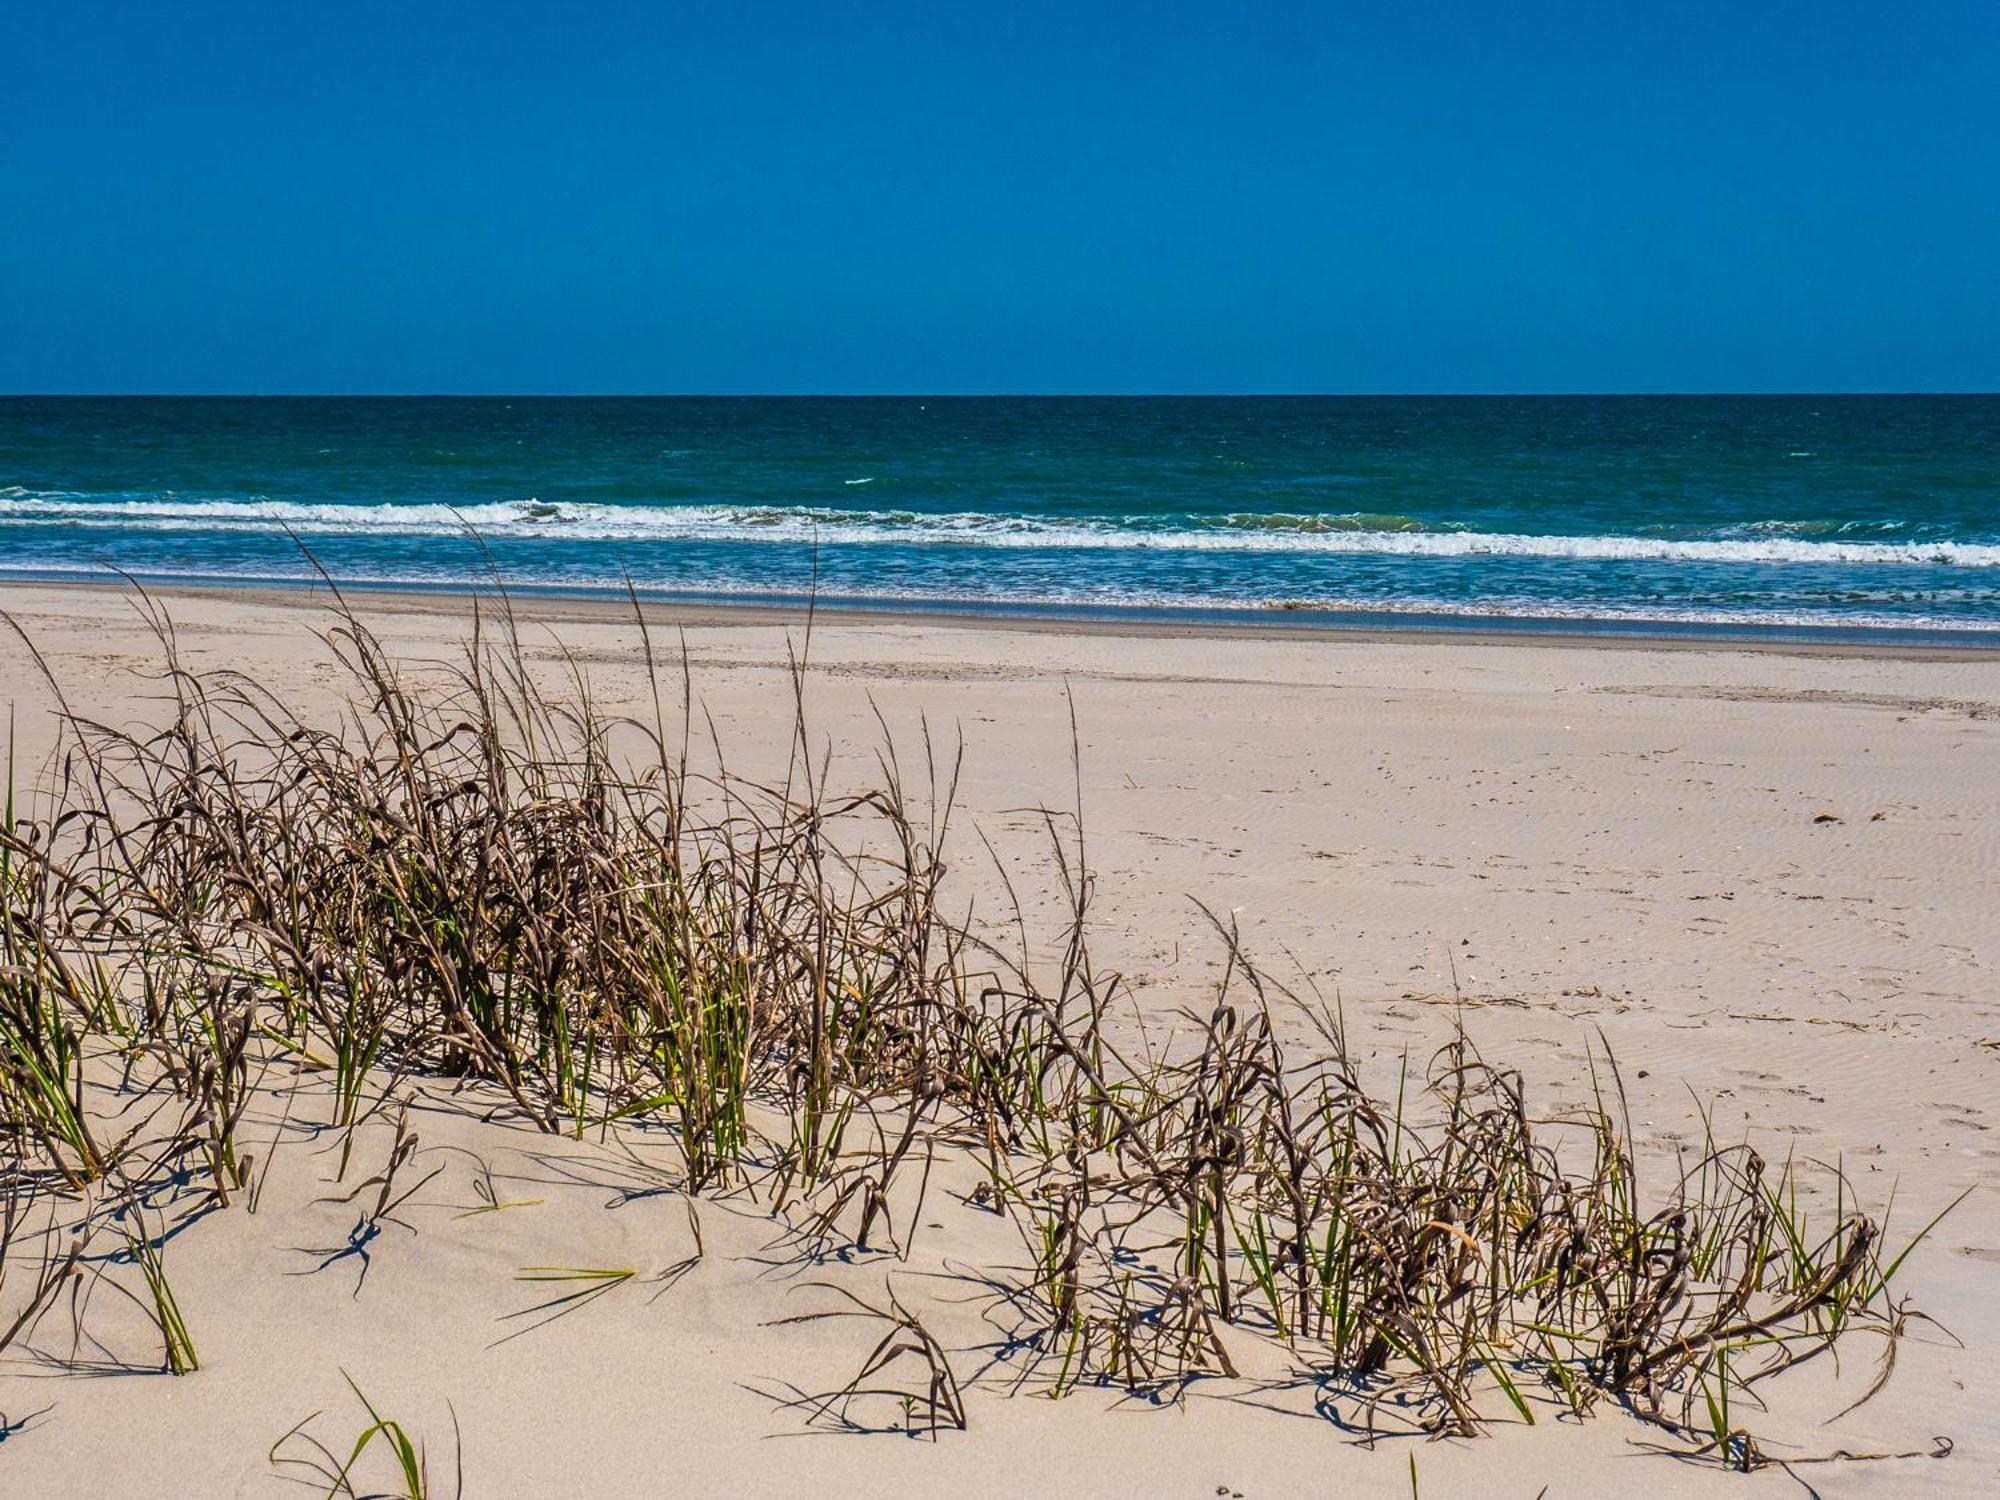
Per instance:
{"type": "Point", "coordinates": [162, 1305]}
{"type": "Point", "coordinates": [407, 1461]}
{"type": "Point", "coordinates": [928, 1397]}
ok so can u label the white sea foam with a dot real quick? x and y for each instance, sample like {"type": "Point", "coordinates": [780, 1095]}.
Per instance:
{"type": "Point", "coordinates": [1773, 542]}
{"type": "Point", "coordinates": [1111, 598]}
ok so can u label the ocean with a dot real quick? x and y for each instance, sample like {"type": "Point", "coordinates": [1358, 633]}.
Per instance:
{"type": "Point", "coordinates": [1785, 514]}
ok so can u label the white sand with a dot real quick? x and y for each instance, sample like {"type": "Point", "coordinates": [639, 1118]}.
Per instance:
{"type": "Point", "coordinates": [1614, 838]}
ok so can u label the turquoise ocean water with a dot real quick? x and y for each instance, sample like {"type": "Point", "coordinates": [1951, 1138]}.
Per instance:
{"type": "Point", "coordinates": [1747, 514]}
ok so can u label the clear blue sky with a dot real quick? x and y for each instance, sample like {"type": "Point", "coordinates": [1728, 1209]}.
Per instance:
{"type": "Point", "coordinates": [303, 195]}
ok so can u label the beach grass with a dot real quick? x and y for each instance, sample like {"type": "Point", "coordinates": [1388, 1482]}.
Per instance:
{"type": "Point", "coordinates": [408, 1461]}
{"type": "Point", "coordinates": [464, 874]}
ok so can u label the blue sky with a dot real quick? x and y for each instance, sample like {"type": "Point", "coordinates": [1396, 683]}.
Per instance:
{"type": "Point", "coordinates": [1023, 197]}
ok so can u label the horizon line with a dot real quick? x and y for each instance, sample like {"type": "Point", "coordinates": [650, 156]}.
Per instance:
{"type": "Point", "coordinates": [918, 395]}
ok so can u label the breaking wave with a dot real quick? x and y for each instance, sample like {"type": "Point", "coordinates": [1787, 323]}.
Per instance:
{"type": "Point", "coordinates": [1771, 542]}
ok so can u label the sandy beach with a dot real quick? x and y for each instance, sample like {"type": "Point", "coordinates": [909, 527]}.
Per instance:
{"type": "Point", "coordinates": [1766, 880]}
{"type": "Point", "coordinates": [1074, 751]}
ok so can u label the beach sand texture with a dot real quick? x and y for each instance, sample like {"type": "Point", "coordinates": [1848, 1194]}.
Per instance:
{"type": "Point", "coordinates": [1768, 880]}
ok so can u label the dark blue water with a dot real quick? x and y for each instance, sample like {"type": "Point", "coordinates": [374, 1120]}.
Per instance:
{"type": "Point", "coordinates": [1788, 511]}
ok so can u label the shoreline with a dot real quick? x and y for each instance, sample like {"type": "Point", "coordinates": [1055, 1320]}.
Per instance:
{"type": "Point", "coordinates": [560, 603]}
